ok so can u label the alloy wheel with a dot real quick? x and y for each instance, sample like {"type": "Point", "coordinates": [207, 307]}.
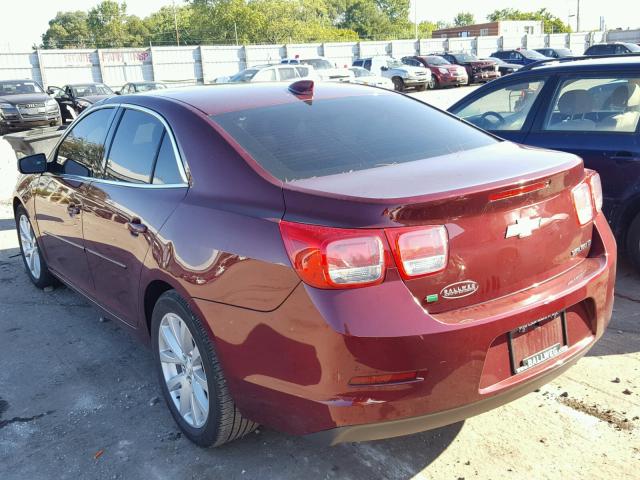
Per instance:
{"type": "Point", "coordinates": [30, 247]}
{"type": "Point", "coordinates": [183, 370]}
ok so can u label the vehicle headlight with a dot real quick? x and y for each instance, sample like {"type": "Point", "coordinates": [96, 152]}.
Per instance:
{"type": "Point", "coordinates": [6, 106]}
{"type": "Point", "coordinates": [84, 103]}
{"type": "Point", "coordinates": [462, 71]}
{"type": "Point", "coordinates": [51, 104]}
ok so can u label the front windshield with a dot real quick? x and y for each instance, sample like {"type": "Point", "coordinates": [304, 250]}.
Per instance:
{"type": "Point", "coordinates": [145, 87]}
{"type": "Point", "coordinates": [437, 61]}
{"type": "Point", "coordinates": [244, 75]}
{"type": "Point", "coordinates": [393, 63]}
{"type": "Point", "coordinates": [318, 63]}
{"type": "Point", "coordinates": [91, 89]}
{"type": "Point", "coordinates": [532, 54]}
{"type": "Point", "coordinates": [360, 72]}
{"type": "Point", "coordinates": [465, 57]}
{"type": "Point", "coordinates": [14, 87]}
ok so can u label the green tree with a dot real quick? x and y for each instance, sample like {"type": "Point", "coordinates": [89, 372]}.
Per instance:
{"type": "Point", "coordinates": [552, 24]}
{"type": "Point", "coordinates": [463, 19]}
{"type": "Point", "coordinates": [67, 30]}
{"type": "Point", "coordinates": [107, 24]}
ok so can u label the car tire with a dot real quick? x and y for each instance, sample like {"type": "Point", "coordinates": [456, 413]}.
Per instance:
{"type": "Point", "coordinates": [398, 84]}
{"type": "Point", "coordinates": [434, 83]}
{"type": "Point", "coordinates": [632, 244]}
{"type": "Point", "coordinates": [222, 422]}
{"type": "Point", "coordinates": [34, 262]}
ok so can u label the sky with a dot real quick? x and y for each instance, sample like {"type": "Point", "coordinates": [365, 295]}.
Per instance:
{"type": "Point", "coordinates": [24, 21]}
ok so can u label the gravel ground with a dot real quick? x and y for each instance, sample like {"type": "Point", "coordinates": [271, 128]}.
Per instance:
{"type": "Point", "coordinates": [78, 399]}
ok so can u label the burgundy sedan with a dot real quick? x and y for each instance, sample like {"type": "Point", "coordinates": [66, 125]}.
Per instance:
{"type": "Point", "coordinates": [443, 73]}
{"type": "Point", "coordinates": [297, 257]}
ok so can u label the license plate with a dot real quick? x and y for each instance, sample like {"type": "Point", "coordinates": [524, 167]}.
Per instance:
{"type": "Point", "coordinates": [537, 342]}
{"type": "Point", "coordinates": [33, 111]}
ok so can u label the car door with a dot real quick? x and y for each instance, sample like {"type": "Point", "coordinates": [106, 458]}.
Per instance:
{"type": "Point", "coordinates": [142, 184]}
{"type": "Point", "coordinates": [505, 109]}
{"type": "Point", "coordinates": [597, 117]}
{"type": "Point", "coordinates": [60, 199]}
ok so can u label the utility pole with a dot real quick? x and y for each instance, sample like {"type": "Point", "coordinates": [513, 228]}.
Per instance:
{"type": "Point", "coordinates": [415, 17]}
{"type": "Point", "coordinates": [578, 17]}
{"type": "Point", "coordinates": [235, 28]}
{"type": "Point", "coordinates": [175, 22]}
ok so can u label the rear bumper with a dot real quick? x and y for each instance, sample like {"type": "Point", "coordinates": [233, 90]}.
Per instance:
{"type": "Point", "coordinates": [430, 421]}
{"type": "Point", "coordinates": [290, 368]}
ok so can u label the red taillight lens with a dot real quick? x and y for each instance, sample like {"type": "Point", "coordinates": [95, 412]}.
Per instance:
{"type": "Point", "coordinates": [583, 201]}
{"type": "Point", "coordinates": [596, 191]}
{"type": "Point", "coordinates": [419, 251]}
{"type": "Point", "coordinates": [326, 257]}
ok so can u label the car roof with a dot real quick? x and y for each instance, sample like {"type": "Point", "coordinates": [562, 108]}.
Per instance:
{"type": "Point", "coordinates": [232, 97]}
{"type": "Point", "coordinates": [630, 62]}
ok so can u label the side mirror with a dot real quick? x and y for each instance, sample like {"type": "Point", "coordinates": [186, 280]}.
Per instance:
{"type": "Point", "coordinates": [384, 68]}
{"type": "Point", "coordinates": [36, 163]}
{"type": "Point", "coordinates": [118, 92]}
{"type": "Point", "coordinates": [52, 90]}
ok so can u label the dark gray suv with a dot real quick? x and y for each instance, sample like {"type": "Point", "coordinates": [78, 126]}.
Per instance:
{"type": "Point", "coordinates": [24, 104]}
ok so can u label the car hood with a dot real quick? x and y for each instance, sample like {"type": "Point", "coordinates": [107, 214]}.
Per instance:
{"type": "Point", "coordinates": [479, 63]}
{"type": "Point", "coordinates": [24, 98]}
{"type": "Point", "coordinates": [411, 69]}
{"type": "Point", "coordinates": [94, 98]}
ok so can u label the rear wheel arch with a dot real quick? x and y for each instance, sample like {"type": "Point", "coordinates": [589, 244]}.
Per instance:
{"type": "Point", "coordinates": [152, 293]}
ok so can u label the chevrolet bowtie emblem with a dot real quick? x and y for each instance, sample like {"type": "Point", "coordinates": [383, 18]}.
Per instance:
{"type": "Point", "coordinates": [523, 227]}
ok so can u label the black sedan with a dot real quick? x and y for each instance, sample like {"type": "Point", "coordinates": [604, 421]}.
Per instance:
{"type": "Point", "coordinates": [75, 98]}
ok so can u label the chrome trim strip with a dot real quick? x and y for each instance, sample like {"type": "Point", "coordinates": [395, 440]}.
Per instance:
{"type": "Point", "coordinates": [183, 167]}
{"type": "Point", "coordinates": [44, 232]}
{"type": "Point", "coordinates": [88, 250]}
{"type": "Point", "coordinates": [121, 184]}
{"type": "Point", "coordinates": [115, 262]}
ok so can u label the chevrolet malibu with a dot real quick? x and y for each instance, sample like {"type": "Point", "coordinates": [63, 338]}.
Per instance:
{"type": "Point", "coordinates": [296, 256]}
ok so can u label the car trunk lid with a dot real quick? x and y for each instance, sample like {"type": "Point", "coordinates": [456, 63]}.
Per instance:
{"type": "Point", "coordinates": [499, 242]}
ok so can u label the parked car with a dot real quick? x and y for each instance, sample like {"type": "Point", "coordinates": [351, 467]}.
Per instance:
{"type": "Point", "coordinates": [555, 52]}
{"type": "Point", "coordinates": [520, 56]}
{"type": "Point", "coordinates": [477, 70]}
{"type": "Point", "coordinates": [323, 68]}
{"type": "Point", "coordinates": [75, 98]}
{"type": "Point", "coordinates": [588, 107]}
{"type": "Point", "coordinates": [443, 73]}
{"type": "Point", "coordinates": [402, 76]}
{"type": "Point", "coordinates": [503, 67]}
{"type": "Point", "coordinates": [271, 73]}
{"type": "Point", "coordinates": [24, 104]}
{"type": "Point", "coordinates": [137, 87]}
{"type": "Point", "coordinates": [613, 48]}
{"type": "Point", "coordinates": [297, 257]}
{"type": "Point", "coordinates": [362, 76]}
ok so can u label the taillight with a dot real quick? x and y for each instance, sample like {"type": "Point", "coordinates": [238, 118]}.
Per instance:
{"type": "Point", "coordinates": [327, 257]}
{"type": "Point", "coordinates": [596, 191]}
{"type": "Point", "coordinates": [419, 251]}
{"type": "Point", "coordinates": [583, 201]}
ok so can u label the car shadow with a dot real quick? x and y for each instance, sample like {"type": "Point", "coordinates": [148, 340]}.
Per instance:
{"type": "Point", "coordinates": [7, 224]}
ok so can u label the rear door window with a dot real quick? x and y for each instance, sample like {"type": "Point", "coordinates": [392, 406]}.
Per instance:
{"type": "Point", "coordinates": [82, 150]}
{"type": "Point", "coordinates": [604, 104]}
{"type": "Point", "coordinates": [267, 75]}
{"type": "Point", "coordinates": [503, 109]}
{"type": "Point", "coordinates": [166, 171]}
{"type": "Point", "coordinates": [331, 136]}
{"type": "Point", "coordinates": [134, 147]}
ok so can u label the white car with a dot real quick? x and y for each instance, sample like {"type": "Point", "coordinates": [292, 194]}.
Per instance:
{"type": "Point", "coordinates": [363, 76]}
{"type": "Point", "coordinates": [325, 69]}
{"type": "Point", "coordinates": [271, 73]}
{"type": "Point", "coordinates": [402, 76]}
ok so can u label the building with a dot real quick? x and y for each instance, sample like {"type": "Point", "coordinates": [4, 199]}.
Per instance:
{"type": "Point", "coordinates": [506, 27]}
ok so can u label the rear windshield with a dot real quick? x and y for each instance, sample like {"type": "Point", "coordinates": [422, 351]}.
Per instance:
{"type": "Point", "coordinates": [325, 137]}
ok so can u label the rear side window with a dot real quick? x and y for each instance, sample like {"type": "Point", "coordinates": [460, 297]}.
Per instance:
{"type": "Point", "coordinates": [607, 104]}
{"type": "Point", "coordinates": [288, 73]}
{"type": "Point", "coordinates": [309, 139]}
{"type": "Point", "coordinates": [134, 148]}
{"type": "Point", "coordinates": [166, 171]}
{"type": "Point", "coordinates": [81, 152]}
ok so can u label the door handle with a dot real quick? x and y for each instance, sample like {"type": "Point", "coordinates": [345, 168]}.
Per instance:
{"type": "Point", "coordinates": [73, 209]}
{"type": "Point", "coordinates": [136, 227]}
{"type": "Point", "coordinates": [623, 156]}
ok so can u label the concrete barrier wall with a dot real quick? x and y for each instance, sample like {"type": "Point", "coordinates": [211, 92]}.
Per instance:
{"type": "Point", "coordinates": [202, 64]}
